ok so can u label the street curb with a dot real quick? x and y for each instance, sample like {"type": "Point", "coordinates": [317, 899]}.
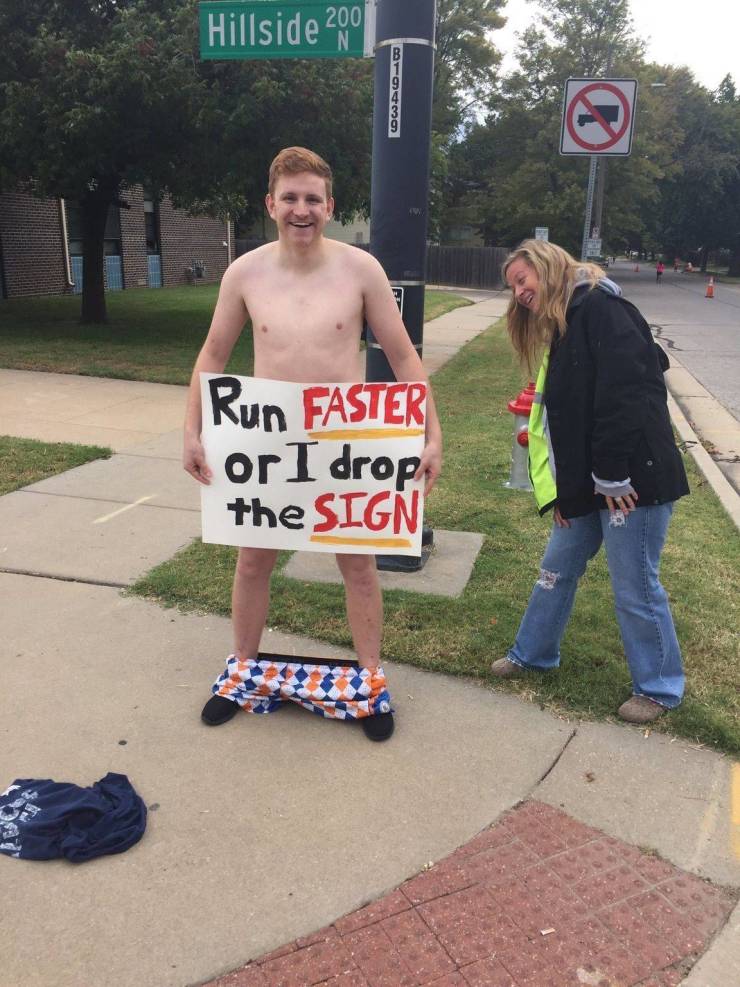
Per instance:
{"type": "Point", "coordinates": [714, 476]}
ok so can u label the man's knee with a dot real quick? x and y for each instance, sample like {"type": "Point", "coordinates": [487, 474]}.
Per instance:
{"type": "Point", "coordinates": [358, 570]}
{"type": "Point", "coordinates": [255, 563]}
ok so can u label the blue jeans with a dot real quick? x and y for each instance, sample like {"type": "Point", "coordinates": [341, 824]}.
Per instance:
{"type": "Point", "coordinates": [633, 545]}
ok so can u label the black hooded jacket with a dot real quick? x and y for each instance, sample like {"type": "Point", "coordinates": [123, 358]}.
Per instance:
{"type": "Point", "coordinates": [607, 406]}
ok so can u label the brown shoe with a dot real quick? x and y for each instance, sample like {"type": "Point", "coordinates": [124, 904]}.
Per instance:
{"type": "Point", "coordinates": [502, 668]}
{"type": "Point", "coordinates": [640, 709]}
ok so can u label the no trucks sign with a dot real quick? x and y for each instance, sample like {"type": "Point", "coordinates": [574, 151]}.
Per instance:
{"type": "Point", "coordinates": [598, 116]}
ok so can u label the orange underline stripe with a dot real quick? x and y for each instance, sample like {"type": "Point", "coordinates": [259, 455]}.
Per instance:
{"type": "Point", "coordinates": [372, 542]}
{"type": "Point", "coordinates": [368, 433]}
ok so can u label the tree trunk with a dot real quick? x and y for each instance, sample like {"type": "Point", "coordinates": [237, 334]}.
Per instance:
{"type": "Point", "coordinates": [734, 269]}
{"type": "Point", "coordinates": [704, 255]}
{"type": "Point", "coordinates": [94, 207]}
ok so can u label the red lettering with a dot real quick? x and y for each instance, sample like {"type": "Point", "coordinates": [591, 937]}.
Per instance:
{"type": "Point", "coordinates": [379, 520]}
{"type": "Point", "coordinates": [360, 411]}
{"type": "Point", "coordinates": [331, 518]}
{"type": "Point", "coordinates": [374, 390]}
{"type": "Point", "coordinates": [310, 410]}
{"type": "Point", "coordinates": [392, 414]}
{"type": "Point", "coordinates": [336, 406]}
{"type": "Point", "coordinates": [414, 397]}
{"type": "Point", "coordinates": [348, 498]}
{"type": "Point", "coordinates": [410, 518]}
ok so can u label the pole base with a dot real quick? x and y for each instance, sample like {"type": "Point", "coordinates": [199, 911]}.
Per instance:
{"type": "Point", "coordinates": [408, 563]}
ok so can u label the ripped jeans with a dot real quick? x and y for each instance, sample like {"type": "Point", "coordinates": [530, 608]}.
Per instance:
{"type": "Point", "coordinates": [633, 545]}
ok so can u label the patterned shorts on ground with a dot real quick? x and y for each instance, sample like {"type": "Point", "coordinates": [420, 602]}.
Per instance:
{"type": "Point", "coordinates": [343, 691]}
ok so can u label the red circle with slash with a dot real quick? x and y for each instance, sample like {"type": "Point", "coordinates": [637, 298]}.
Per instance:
{"type": "Point", "coordinates": [614, 136]}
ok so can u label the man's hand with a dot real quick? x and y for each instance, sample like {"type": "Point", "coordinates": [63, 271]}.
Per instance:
{"type": "Point", "coordinates": [430, 465]}
{"type": "Point", "coordinates": [194, 460]}
{"type": "Point", "coordinates": [561, 521]}
{"type": "Point", "coordinates": [624, 504]}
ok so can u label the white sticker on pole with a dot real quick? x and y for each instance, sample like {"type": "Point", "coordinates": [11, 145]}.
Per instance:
{"type": "Point", "coordinates": [598, 116]}
{"type": "Point", "coordinates": [394, 91]}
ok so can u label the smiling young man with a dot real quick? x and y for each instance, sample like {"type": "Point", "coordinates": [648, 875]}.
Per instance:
{"type": "Point", "coordinates": [307, 298]}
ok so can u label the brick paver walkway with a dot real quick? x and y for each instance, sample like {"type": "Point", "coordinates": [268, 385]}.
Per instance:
{"type": "Point", "coordinates": [538, 900]}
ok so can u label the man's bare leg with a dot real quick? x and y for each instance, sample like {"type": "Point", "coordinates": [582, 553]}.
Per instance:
{"type": "Point", "coordinates": [250, 601]}
{"type": "Point", "coordinates": [250, 598]}
{"type": "Point", "coordinates": [364, 606]}
{"type": "Point", "coordinates": [365, 618]}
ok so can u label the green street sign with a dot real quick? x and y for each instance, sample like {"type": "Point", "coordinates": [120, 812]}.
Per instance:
{"type": "Point", "coordinates": [287, 29]}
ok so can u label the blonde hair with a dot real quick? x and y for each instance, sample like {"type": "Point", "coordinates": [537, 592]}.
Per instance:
{"type": "Point", "coordinates": [558, 273]}
{"type": "Point", "coordinates": [293, 161]}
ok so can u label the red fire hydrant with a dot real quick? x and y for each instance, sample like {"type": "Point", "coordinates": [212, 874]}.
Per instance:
{"type": "Point", "coordinates": [520, 407]}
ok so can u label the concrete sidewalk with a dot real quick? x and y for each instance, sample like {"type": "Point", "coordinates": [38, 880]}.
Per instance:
{"type": "Point", "coordinates": [258, 833]}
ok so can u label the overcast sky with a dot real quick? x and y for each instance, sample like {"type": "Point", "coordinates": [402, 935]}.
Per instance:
{"type": "Point", "coordinates": [704, 36]}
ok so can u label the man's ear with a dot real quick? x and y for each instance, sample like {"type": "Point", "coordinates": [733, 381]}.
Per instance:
{"type": "Point", "coordinates": [270, 206]}
{"type": "Point", "coordinates": [330, 206]}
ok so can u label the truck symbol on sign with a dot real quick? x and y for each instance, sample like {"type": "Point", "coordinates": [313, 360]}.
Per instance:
{"type": "Point", "coordinates": [609, 113]}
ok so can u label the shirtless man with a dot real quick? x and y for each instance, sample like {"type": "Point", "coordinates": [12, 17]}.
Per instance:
{"type": "Point", "coordinates": [306, 297]}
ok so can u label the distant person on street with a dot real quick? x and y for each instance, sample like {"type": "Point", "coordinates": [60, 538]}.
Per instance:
{"type": "Point", "coordinates": [307, 298]}
{"type": "Point", "coordinates": [659, 269]}
{"type": "Point", "coordinates": [602, 456]}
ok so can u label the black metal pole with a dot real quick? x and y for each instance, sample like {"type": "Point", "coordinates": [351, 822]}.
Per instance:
{"type": "Point", "coordinates": [402, 124]}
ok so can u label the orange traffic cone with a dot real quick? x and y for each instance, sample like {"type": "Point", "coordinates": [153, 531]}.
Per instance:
{"type": "Point", "coordinates": [710, 289]}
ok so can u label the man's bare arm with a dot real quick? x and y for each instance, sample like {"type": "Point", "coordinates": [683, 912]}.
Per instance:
{"type": "Point", "coordinates": [385, 321]}
{"type": "Point", "coordinates": [227, 323]}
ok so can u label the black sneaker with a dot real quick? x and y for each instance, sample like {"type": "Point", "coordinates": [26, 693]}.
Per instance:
{"type": "Point", "coordinates": [219, 710]}
{"type": "Point", "coordinates": [378, 727]}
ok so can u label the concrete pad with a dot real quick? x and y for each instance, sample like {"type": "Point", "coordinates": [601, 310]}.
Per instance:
{"type": "Point", "coordinates": [94, 540]}
{"type": "Point", "coordinates": [652, 791]}
{"type": "Point", "coordinates": [446, 573]}
{"type": "Point", "coordinates": [259, 831]}
{"type": "Point", "coordinates": [721, 963]}
{"type": "Point", "coordinates": [124, 479]}
{"type": "Point", "coordinates": [168, 445]}
{"type": "Point", "coordinates": [73, 408]}
{"type": "Point", "coordinates": [86, 435]}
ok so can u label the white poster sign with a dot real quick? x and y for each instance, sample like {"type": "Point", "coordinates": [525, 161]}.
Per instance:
{"type": "Point", "coordinates": [321, 467]}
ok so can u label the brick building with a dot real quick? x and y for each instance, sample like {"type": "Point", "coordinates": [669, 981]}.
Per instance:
{"type": "Point", "coordinates": [149, 244]}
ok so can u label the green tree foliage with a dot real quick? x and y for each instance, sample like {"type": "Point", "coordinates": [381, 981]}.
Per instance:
{"type": "Point", "coordinates": [98, 95]}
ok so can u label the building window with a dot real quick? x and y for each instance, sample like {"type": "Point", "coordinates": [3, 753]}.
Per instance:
{"type": "Point", "coordinates": [112, 241]}
{"type": "Point", "coordinates": [151, 223]}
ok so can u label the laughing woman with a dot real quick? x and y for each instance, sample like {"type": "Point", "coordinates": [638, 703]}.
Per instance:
{"type": "Point", "coordinates": [602, 456]}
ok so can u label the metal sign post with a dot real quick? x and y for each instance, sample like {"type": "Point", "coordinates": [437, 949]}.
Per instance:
{"type": "Point", "coordinates": [598, 120]}
{"type": "Point", "coordinates": [404, 65]}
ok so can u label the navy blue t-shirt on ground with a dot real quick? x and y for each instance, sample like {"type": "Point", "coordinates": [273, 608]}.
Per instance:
{"type": "Point", "coordinates": [41, 819]}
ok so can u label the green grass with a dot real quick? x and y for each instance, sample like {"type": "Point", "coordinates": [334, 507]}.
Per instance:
{"type": "Point", "coordinates": [24, 461]}
{"type": "Point", "coordinates": [461, 637]}
{"type": "Point", "coordinates": [151, 335]}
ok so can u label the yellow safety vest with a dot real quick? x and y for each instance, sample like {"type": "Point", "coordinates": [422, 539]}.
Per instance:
{"type": "Point", "coordinates": [540, 472]}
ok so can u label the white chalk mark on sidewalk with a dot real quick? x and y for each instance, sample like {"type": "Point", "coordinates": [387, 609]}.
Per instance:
{"type": "Point", "coordinates": [122, 510]}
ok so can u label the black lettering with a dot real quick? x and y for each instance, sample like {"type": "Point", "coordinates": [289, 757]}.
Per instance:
{"type": "Point", "coordinates": [250, 415]}
{"type": "Point", "coordinates": [258, 512]}
{"type": "Point", "coordinates": [406, 469]}
{"type": "Point", "coordinates": [240, 508]}
{"type": "Point", "coordinates": [382, 468]}
{"type": "Point", "coordinates": [290, 514]}
{"type": "Point", "coordinates": [270, 411]}
{"type": "Point", "coordinates": [263, 461]}
{"type": "Point", "coordinates": [220, 402]}
{"type": "Point", "coordinates": [302, 463]}
{"type": "Point", "coordinates": [340, 468]}
{"type": "Point", "coordinates": [357, 463]}
{"type": "Point", "coordinates": [238, 467]}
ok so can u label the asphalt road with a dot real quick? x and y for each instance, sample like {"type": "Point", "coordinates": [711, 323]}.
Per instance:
{"type": "Point", "coordinates": [705, 333]}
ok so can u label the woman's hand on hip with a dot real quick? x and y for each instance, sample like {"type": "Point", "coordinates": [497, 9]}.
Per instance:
{"type": "Point", "coordinates": [624, 504]}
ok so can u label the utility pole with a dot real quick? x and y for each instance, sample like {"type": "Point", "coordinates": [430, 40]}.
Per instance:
{"type": "Point", "coordinates": [402, 126]}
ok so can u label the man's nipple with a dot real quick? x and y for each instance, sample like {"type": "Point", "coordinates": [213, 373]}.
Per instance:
{"type": "Point", "coordinates": [339, 326]}
{"type": "Point", "coordinates": [264, 328]}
